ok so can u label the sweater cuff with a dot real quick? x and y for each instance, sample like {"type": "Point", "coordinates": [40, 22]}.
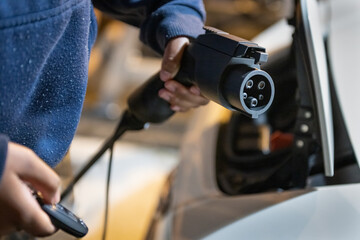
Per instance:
{"type": "Point", "coordinates": [184, 26]}
{"type": "Point", "coordinates": [3, 152]}
{"type": "Point", "coordinates": [169, 22]}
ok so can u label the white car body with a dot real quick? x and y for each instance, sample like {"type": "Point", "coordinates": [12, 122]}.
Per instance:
{"type": "Point", "coordinates": [200, 210]}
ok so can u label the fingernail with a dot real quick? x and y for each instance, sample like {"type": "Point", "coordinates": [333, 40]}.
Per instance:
{"type": "Point", "coordinates": [56, 198]}
{"type": "Point", "coordinates": [169, 86]}
{"type": "Point", "coordinates": [164, 95]}
{"type": "Point", "coordinates": [195, 90]}
{"type": "Point", "coordinates": [175, 108]}
{"type": "Point", "coordinates": [165, 75]}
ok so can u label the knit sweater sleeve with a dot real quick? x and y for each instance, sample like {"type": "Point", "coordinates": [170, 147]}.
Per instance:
{"type": "Point", "coordinates": [3, 152]}
{"type": "Point", "coordinates": [159, 21]}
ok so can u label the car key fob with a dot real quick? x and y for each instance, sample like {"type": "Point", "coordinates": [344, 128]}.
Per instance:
{"type": "Point", "coordinates": [63, 218]}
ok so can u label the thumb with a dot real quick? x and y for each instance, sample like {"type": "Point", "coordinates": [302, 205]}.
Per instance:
{"type": "Point", "coordinates": [172, 57]}
{"type": "Point", "coordinates": [30, 168]}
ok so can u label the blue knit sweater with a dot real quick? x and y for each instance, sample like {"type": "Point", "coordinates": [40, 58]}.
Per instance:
{"type": "Point", "coordinates": [44, 53]}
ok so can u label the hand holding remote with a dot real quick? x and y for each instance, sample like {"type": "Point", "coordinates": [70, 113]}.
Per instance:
{"type": "Point", "coordinates": [18, 208]}
{"type": "Point", "coordinates": [63, 218]}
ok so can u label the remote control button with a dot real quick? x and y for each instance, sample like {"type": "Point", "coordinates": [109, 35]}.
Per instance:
{"type": "Point", "coordinates": [72, 216]}
{"type": "Point", "coordinates": [59, 207]}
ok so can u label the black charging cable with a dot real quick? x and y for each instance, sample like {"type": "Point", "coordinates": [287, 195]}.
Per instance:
{"type": "Point", "coordinates": [107, 192]}
{"type": "Point", "coordinates": [127, 122]}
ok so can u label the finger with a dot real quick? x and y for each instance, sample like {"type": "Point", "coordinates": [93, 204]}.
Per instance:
{"type": "Point", "coordinates": [26, 212]}
{"type": "Point", "coordinates": [165, 94]}
{"type": "Point", "coordinates": [35, 171]}
{"type": "Point", "coordinates": [195, 90]}
{"type": "Point", "coordinates": [176, 104]}
{"type": "Point", "coordinates": [172, 57]}
{"type": "Point", "coordinates": [43, 179]}
{"type": "Point", "coordinates": [191, 97]}
{"type": "Point", "coordinates": [34, 220]}
{"type": "Point", "coordinates": [180, 105]}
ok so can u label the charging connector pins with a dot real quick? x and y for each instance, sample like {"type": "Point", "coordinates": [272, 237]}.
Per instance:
{"type": "Point", "coordinates": [249, 84]}
{"type": "Point", "coordinates": [261, 85]}
{"type": "Point", "coordinates": [251, 102]}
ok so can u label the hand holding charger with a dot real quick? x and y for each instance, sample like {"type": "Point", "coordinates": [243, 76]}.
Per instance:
{"type": "Point", "coordinates": [227, 71]}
